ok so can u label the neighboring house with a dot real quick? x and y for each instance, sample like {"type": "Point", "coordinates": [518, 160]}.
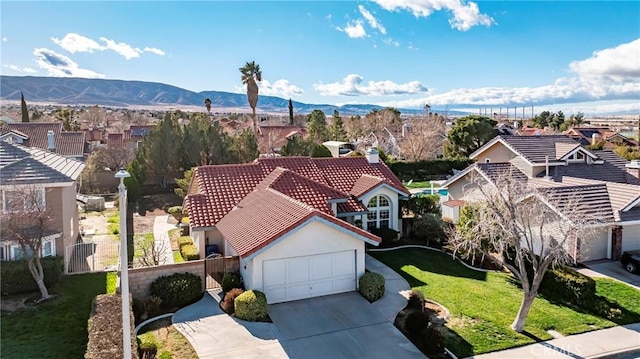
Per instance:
{"type": "Point", "coordinates": [56, 176]}
{"type": "Point", "coordinates": [558, 165]}
{"type": "Point", "coordinates": [298, 224]}
{"type": "Point", "coordinates": [130, 139]}
{"type": "Point", "coordinates": [593, 135]}
{"type": "Point", "coordinates": [272, 138]}
{"type": "Point", "coordinates": [70, 144]}
{"type": "Point", "coordinates": [339, 148]}
{"type": "Point", "coordinates": [95, 137]}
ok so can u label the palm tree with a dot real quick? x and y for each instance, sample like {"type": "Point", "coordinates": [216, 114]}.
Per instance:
{"type": "Point", "coordinates": [251, 75]}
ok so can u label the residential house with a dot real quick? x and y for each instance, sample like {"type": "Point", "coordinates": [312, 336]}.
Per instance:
{"type": "Point", "coordinates": [71, 144]}
{"type": "Point", "coordinates": [53, 174]}
{"type": "Point", "coordinates": [594, 135]}
{"type": "Point", "coordinates": [272, 138]}
{"type": "Point", "coordinates": [298, 224]}
{"type": "Point", "coordinates": [130, 139]}
{"type": "Point", "coordinates": [339, 148]}
{"type": "Point", "coordinates": [558, 164]}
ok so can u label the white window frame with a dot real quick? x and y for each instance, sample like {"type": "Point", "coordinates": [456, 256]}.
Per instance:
{"type": "Point", "coordinates": [374, 216]}
{"type": "Point", "coordinates": [24, 206]}
{"type": "Point", "coordinates": [15, 249]}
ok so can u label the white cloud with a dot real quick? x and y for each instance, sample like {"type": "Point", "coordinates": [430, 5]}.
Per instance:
{"type": "Point", "coordinates": [390, 41]}
{"type": "Point", "coordinates": [73, 43]}
{"type": "Point", "coordinates": [352, 85]}
{"type": "Point", "coordinates": [354, 29]}
{"type": "Point", "coordinates": [280, 88]}
{"type": "Point", "coordinates": [610, 74]}
{"type": "Point", "coordinates": [154, 50]}
{"type": "Point", "coordinates": [123, 49]}
{"type": "Point", "coordinates": [58, 65]}
{"type": "Point", "coordinates": [373, 22]}
{"type": "Point", "coordinates": [5, 39]}
{"type": "Point", "coordinates": [328, 17]}
{"type": "Point", "coordinates": [24, 69]}
{"type": "Point", "coordinates": [465, 15]}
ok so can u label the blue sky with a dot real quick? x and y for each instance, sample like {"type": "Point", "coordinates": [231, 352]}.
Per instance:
{"type": "Point", "coordinates": [575, 55]}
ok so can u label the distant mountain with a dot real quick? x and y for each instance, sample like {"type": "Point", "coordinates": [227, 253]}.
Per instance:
{"type": "Point", "coordinates": [120, 93]}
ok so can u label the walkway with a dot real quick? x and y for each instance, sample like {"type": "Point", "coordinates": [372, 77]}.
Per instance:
{"type": "Point", "coordinates": [161, 226]}
{"type": "Point", "coordinates": [597, 344]}
{"type": "Point", "coordinates": [393, 301]}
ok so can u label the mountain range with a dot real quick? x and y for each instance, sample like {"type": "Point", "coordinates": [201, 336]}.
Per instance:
{"type": "Point", "coordinates": [121, 93]}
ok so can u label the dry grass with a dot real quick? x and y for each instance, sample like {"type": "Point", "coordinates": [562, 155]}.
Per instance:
{"type": "Point", "coordinates": [170, 339]}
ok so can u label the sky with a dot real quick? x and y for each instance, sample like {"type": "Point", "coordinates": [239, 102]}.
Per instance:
{"type": "Point", "coordinates": [451, 54]}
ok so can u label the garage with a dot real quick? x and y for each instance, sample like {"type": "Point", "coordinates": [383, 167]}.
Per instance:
{"type": "Point", "coordinates": [309, 276]}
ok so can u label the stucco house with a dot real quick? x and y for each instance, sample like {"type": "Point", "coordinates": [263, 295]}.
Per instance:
{"type": "Point", "coordinates": [559, 165]}
{"type": "Point", "coordinates": [298, 224]}
{"type": "Point", "coordinates": [52, 174]}
{"type": "Point", "coordinates": [70, 144]}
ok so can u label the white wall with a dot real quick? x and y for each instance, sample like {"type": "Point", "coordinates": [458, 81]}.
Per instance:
{"type": "Point", "coordinates": [393, 199]}
{"type": "Point", "coordinates": [314, 238]}
{"type": "Point", "coordinates": [199, 241]}
{"type": "Point", "coordinates": [631, 237]}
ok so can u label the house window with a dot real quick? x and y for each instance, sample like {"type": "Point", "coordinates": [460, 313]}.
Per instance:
{"type": "Point", "coordinates": [16, 200]}
{"type": "Point", "coordinates": [379, 212]}
{"type": "Point", "coordinates": [48, 248]}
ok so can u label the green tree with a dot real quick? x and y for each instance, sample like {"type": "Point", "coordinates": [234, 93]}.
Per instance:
{"type": "Point", "coordinates": [317, 126]}
{"type": "Point", "coordinates": [245, 147]}
{"type": "Point", "coordinates": [204, 143]}
{"type": "Point", "coordinates": [543, 119]}
{"type": "Point", "coordinates": [468, 134]}
{"type": "Point", "coordinates": [290, 112]}
{"type": "Point", "coordinates": [251, 75]}
{"type": "Point", "coordinates": [162, 157]}
{"type": "Point", "coordinates": [336, 130]}
{"type": "Point", "coordinates": [297, 146]}
{"type": "Point", "coordinates": [320, 151]}
{"type": "Point", "coordinates": [67, 117]}
{"type": "Point", "coordinates": [184, 183]}
{"type": "Point", "coordinates": [23, 107]}
{"type": "Point", "coordinates": [629, 153]}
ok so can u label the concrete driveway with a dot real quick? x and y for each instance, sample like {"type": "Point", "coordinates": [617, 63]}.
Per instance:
{"type": "Point", "coordinates": [338, 326]}
{"type": "Point", "coordinates": [613, 269]}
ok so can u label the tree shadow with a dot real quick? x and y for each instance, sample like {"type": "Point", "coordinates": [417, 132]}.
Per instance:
{"type": "Point", "coordinates": [457, 344]}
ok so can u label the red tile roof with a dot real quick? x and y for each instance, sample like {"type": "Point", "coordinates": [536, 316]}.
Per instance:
{"type": "Point", "coordinates": [114, 140]}
{"type": "Point", "coordinates": [365, 183]}
{"type": "Point", "coordinates": [271, 138]}
{"type": "Point", "coordinates": [70, 144]}
{"type": "Point", "coordinates": [266, 215]}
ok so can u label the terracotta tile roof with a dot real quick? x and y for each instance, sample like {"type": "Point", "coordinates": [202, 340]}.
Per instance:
{"type": "Point", "coordinates": [454, 203]}
{"type": "Point", "coordinates": [114, 140]}
{"type": "Point", "coordinates": [305, 166]}
{"type": "Point", "coordinates": [272, 138]}
{"type": "Point", "coordinates": [265, 215]}
{"type": "Point", "coordinates": [365, 183]}
{"type": "Point", "coordinates": [93, 135]}
{"type": "Point", "coordinates": [71, 144]}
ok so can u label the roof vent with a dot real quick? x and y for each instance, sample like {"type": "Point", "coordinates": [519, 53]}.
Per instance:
{"type": "Point", "coordinates": [372, 155]}
{"type": "Point", "coordinates": [51, 141]}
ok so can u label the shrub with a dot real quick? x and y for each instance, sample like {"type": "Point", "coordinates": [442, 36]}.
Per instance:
{"type": "Point", "coordinates": [416, 322]}
{"type": "Point", "coordinates": [15, 276]}
{"type": "Point", "coordinates": [231, 280]}
{"type": "Point", "coordinates": [165, 355]}
{"type": "Point", "coordinates": [228, 303]}
{"type": "Point", "coordinates": [114, 223]}
{"type": "Point", "coordinates": [432, 341]}
{"type": "Point", "coordinates": [387, 235]}
{"type": "Point", "coordinates": [139, 308]}
{"type": "Point", "coordinates": [153, 306]}
{"type": "Point", "coordinates": [567, 284]}
{"type": "Point", "coordinates": [184, 240]}
{"type": "Point", "coordinates": [371, 286]}
{"type": "Point", "coordinates": [251, 305]}
{"type": "Point", "coordinates": [105, 333]}
{"type": "Point", "coordinates": [430, 229]}
{"type": "Point", "coordinates": [176, 212]}
{"type": "Point", "coordinates": [147, 346]}
{"type": "Point", "coordinates": [177, 290]}
{"type": "Point", "coordinates": [416, 300]}
{"type": "Point", "coordinates": [189, 252]}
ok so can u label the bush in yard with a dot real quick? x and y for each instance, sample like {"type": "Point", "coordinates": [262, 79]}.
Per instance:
{"type": "Point", "coordinates": [387, 235]}
{"type": "Point", "coordinates": [177, 290]}
{"type": "Point", "coordinates": [567, 284]}
{"type": "Point", "coordinates": [176, 212]}
{"type": "Point", "coordinates": [105, 333]}
{"type": "Point", "coordinates": [147, 346]}
{"type": "Point", "coordinates": [431, 341]}
{"type": "Point", "coordinates": [431, 229]}
{"type": "Point", "coordinates": [189, 252]}
{"type": "Point", "coordinates": [415, 323]}
{"type": "Point", "coordinates": [15, 276]}
{"type": "Point", "coordinates": [165, 355]}
{"type": "Point", "coordinates": [231, 280]}
{"type": "Point", "coordinates": [153, 305]}
{"type": "Point", "coordinates": [139, 308]}
{"type": "Point", "coordinates": [251, 306]}
{"type": "Point", "coordinates": [228, 303]}
{"type": "Point", "coordinates": [416, 300]}
{"type": "Point", "coordinates": [184, 240]}
{"type": "Point", "coordinates": [371, 286]}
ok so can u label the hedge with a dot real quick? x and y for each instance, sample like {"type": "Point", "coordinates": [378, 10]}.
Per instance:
{"type": "Point", "coordinates": [567, 284]}
{"type": "Point", "coordinates": [177, 290]}
{"type": "Point", "coordinates": [189, 252]}
{"type": "Point", "coordinates": [427, 170]}
{"type": "Point", "coordinates": [184, 240]}
{"type": "Point", "coordinates": [251, 306]}
{"type": "Point", "coordinates": [105, 329]}
{"type": "Point", "coordinates": [15, 276]}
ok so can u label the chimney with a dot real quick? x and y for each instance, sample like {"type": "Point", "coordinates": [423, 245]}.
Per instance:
{"type": "Point", "coordinates": [595, 138]}
{"type": "Point", "coordinates": [372, 155]}
{"type": "Point", "coordinates": [633, 172]}
{"type": "Point", "coordinates": [51, 141]}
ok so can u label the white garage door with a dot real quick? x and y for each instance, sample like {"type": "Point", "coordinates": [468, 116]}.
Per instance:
{"type": "Point", "coordinates": [310, 276]}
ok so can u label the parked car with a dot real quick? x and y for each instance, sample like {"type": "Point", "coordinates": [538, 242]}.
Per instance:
{"type": "Point", "coordinates": [631, 261]}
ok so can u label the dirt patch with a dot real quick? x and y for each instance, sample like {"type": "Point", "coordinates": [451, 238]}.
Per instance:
{"type": "Point", "coordinates": [158, 204]}
{"type": "Point", "coordinates": [11, 303]}
{"type": "Point", "coordinates": [170, 339]}
{"type": "Point", "coordinates": [461, 322]}
{"type": "Point", "coordinates": [143, 224]}
{"type": "Point", "coordinates": [96, 221]}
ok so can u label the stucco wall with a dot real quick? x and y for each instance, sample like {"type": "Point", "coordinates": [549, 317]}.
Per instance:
{"type": "Point", "coordinates": [54, 203]}
{"type": "Point", "coordinates": [393, 200]}
{"type": "Point", "coordinates": [314, 238]}
{"type": "Point", "coordinates": [140, 279]}
{"type": "Point", "coordinates": [523, 166]}
{"type": "Point", "coordinates": [496, 153]}
{"type": "Point", "coordinates": [199, 241]}
{"type": "Point", "coordinates": [631, 237]}
{"type": "Point", "coordinates": [71, 220]}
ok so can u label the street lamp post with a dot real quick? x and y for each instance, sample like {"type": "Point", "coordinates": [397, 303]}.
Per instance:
{"type": "Point", "coordinates": [124, 265]}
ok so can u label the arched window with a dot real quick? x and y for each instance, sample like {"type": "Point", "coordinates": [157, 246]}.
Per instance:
{"type": "Point", "coordinates": [379, 212]}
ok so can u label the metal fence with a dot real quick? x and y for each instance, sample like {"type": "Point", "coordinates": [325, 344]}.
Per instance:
{"type": "Point", "coordinates": [94, 254]}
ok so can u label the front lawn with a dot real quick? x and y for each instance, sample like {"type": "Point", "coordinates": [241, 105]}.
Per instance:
{"type": "Point", "coordinates": [418, 184]}
{"type": "Point", "coordinates": [57, 329]}
{"type": "Point", "coordinates": [483, 305]}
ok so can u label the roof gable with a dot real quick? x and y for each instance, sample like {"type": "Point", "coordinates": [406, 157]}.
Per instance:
{"type": "Point", "coordinates": [68, 143]}
{"type": "Point", "coordinates": [534, 149]}
{"type": "Point", "coordinates": [25, 165]}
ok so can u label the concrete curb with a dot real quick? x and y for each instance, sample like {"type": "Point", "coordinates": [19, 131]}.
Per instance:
{"type": "Point", "coordinates": [151, 320]}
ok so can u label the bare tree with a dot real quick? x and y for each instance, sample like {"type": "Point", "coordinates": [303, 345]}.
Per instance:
{"type": "Point", "coordinates": [94, 115]}
{"type": "Point", "coordinates": [423, 139]}
{"type": "Point", "coordinates": [522, 229]}
{"type": "Point", "coordinates": [150, 252]}
{"type": "Point", "coordinates": [26, 222]}
{"type": "Point", "coordinates": [113, 158]}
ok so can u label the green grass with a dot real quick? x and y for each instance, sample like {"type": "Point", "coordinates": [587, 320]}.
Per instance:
{"type": "Point", "coordinates": [56, 329]}
{"type": "Point", "coordinates": [177, 257]}
{"type": "Point", "coordinates": [419, 184]}
{"type": "Point", "coordinates": [483, 305]}
{"type": "Point", "coordinates": [114, 223]}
